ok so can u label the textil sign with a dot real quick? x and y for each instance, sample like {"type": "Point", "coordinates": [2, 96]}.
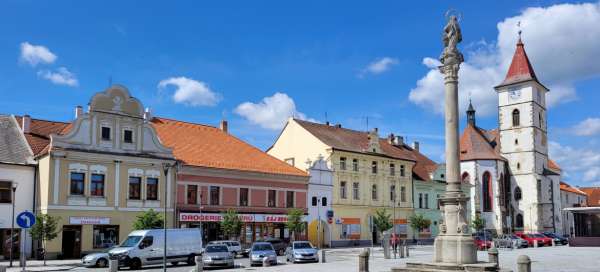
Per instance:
{"type": "Point", "coordinates": [89, 220]}
{"type": "Point", "coordinates": [213, 217]}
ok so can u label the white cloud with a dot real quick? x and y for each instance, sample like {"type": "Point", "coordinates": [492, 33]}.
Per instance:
{"type": "Point", "coordinates": [379, 66]}
{"type": "Point", "coordinates": [582, 163]}
{"type": "Point", "coordinates": [560, 41]}
{"type": "Point", "coordinates": [270, 113]}
{"type": "Point", "coordinates": [60, 76]}
{"type": "Point", "coordinates": [191, 92]}
{"type": "Point", "coordinates": [35, 54]}
{"type": "Point", "coordinates": [587, 127]}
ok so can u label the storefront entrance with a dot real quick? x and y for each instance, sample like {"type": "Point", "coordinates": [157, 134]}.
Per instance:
{"type": "Point", "coordinates": [71, 242]}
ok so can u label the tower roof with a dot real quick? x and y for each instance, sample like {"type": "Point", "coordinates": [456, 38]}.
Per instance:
{"type": "Point", "coordinates": [520, 69]}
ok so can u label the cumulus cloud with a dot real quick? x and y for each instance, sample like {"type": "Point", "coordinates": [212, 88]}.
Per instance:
{"type": "Point", "coordinates": [379, 66]}
{"type": "Point", "coordinates": [583, 164]}
{"type": "Point", "coordinates": [60, 76]}
{"type": "Point", "coordinates": [559, 40]}
{"type": "Point", "coordinates": [36, 54]}
{"type": "Point", "coordinates": [191, 92]}
{"type": "Point", "coordinates": [587, 127]}
{"type": "Point", "coordinates": [272, 112]}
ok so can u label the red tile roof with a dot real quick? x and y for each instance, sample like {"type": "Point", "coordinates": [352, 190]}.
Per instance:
{"type": "Point", "coordinates": [568, 188]}
{"type": "Point", "coordinates": [207, 146]}
{"type": "Point", "coordinates": [424, 167]}
{"type": "Point", "coordinates": [39, 136]}
{"type": "Point", "coordinates": [593, 195]}
{"type": "Point", "coordinates": [553, 165]}
{"type": "Point", "coordinates": [520, 68]}
{"type": "Point", "coordinates": [479, 144]}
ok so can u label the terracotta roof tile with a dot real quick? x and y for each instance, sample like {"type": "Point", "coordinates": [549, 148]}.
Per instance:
{"type": "Point", "coordinates": [553, 165]}
{"type": "Point", "coordinates": [479, 144]}
{"type": "Point", "coordinates": [568, 188]}
{"type": "Point", "coordinates": [424, 167]}
{"type": "Point", "coordinates": [520, 68]}
{"type": "Point", "coordinates": [593, 195]}
{"type": "Point", "coordinates": [207, 146]}
{"type": "Point", "coordinates": [39, 136]}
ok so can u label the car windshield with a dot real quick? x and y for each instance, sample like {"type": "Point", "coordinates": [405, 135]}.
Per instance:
{"type": "Point", "coordinates": [261, 247]}
{"type": "Point", "coordinates": [302, 245]}
{"type": "Point", "coordinates": [131, 241]}
{"type": "Point", "coordinates": [537, 235]}
{"type": "Point", "coordinates": [210, 249]}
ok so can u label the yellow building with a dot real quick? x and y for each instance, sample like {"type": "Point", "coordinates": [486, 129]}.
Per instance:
{"type": "Point", "coordinates": [100, 171]}
{"type": "Point", "coordinates": [369, 173]}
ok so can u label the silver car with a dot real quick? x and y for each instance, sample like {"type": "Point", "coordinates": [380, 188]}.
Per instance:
{"type": "Point", "coordinates": [234, 246]}
{"type": "Point", "coordinates": [217, 255]}
{"type": "Point", "coordinates": [261, 250]}
{"type": "Point", "coordinates": [99, 259]}
{"type": "Point", "coordinates": [301, 251]}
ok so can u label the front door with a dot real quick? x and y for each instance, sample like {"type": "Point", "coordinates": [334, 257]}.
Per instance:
{"type": "Point", "coordinates": [71, 242]}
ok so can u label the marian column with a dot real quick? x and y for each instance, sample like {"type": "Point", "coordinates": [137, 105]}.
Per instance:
{"type": "Point", "coordinates": [454, 244]}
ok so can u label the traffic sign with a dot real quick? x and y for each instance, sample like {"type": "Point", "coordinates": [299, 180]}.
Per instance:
{"type": "Point", "coordinates": [25, 219]}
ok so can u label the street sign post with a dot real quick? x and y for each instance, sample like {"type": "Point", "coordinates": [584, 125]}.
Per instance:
{"type": "Point", "coordinates": [25, 220]}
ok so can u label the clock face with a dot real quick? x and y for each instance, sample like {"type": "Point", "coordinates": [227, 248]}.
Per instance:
{"type": "Point", "coordinates": [514, 93]}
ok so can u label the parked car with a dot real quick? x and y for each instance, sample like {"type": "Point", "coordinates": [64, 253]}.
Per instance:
{"type": "Point", "coordinates": [509, 241]}
{"type": "Point", "coordinates": [558, 239]}
{"type": "Point", "coordinates": [259, 250]}
{"type": "Point", "coordinates": [143, 247]}
{"type": "Point", "coordinates": [531, 237]}
{"type": "Point", "coordinates": [234, 246]}
{"type": "Point", "coordinates": [218, 255]}
{"type": "Point", "coordinates": [278, 244]}
{"type": "Point", "coordinates": [301, 251]}
{"type": "Point", "coordinates": [98, 259]}
{"type": "Point", "coordinates": [482, 243]}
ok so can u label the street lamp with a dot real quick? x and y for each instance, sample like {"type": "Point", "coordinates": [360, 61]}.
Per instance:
{"type": "Point", "coordinates": [12, 228]}
{"type": "Point", "coordinates": [318, 223]}
{"type": "Point", "coordinates": [166, 167]}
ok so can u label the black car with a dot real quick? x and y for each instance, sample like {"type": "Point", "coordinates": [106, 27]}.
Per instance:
{"type": "Point", "coordinates": [278, 244]}
{"type": "Point", "coordinates": [558, 239]}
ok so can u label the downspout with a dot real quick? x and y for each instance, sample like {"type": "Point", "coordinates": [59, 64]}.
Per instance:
{"type": "Point", "coordinates": [35, 169]}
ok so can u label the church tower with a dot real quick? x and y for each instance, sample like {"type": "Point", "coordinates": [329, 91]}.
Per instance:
{"type": "Point", "coordinates": [523, 142]}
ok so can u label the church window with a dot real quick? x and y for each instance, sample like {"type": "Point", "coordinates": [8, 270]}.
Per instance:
{"type": "Point", "coordinates": [487, 192]}
{"type": "Point", "coordinates": [518, 194]}
{"type": "Point", "coordinates": [516, 118]}
{"type": "Point", "coordinates": [466, 178]}
{"type": "Point", "coordinates": [519, 223]}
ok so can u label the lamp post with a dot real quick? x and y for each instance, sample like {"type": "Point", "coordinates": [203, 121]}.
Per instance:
{"type": "Point", "coordinates": [12, 228]}
{"type": "Point", "coordinates": [318, 223]}
{"type": "Point", "coordinates": [166, 167]}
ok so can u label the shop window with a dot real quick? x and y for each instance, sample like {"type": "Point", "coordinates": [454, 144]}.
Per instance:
{"type": "Point", "coordinates": [215, 195]}
{"type": "Point", "coordinates": [97, 185]}
{"type": "Point", "coordinates": [373, 167]}
{"type": "Point", "coordinates": [289, 199]}
{"type": "Point", "coordinates": [402, 170]}
{"type": "Point", "coordinates": [314, 201]}
{"type": "Point", "coordinates": [105, 236]}
{"type": "Point", "coordinates": [355, 165]}
{"type": "Point", "coordinates": [272, 198]}
{"type": "Point", "coordinates": [392, 169]}
{"type": "Point", "coordinates": [77, 183]}
{"type": "Point", "coordinates": [350, 231]}
{"type": "Point", "coordinates": [243, 196]}
{"type": "Point", "coordinates": [374, 192]}
{"type": "Point", "coordinates": [343, 190]}
{"type": "Point", "coordinates": [135, 188]}
{"type": "Point", "coordinates": [324, 201]}
{"type": "Point", "coordinates": [128, 136]}
{"type": "Point", "coordinates": [106, 133]}
{"type": "Point", "coordinates": [402, 194]}
{"type": "Point", "coordinates": [5, 192]}
{"type": "Point", "coordinates": [393, 193]}
{"type": "Point", "coordinates": [343, 163]}
{"type": "Point", "coordinates": [355, 191]}
{"type": "Point", "coordinates": [192, 194]}
{"type": "Point", "coordinates": [152, 188]}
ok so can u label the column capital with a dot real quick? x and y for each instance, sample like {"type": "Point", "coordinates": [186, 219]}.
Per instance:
{"type": "Point", "coordinates": [450, 72]}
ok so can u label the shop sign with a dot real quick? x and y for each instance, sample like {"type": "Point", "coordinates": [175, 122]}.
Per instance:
{"type": "Point", "coordinates": [89, 220]}
{"type": "Point", "coordinates": [214, 217]}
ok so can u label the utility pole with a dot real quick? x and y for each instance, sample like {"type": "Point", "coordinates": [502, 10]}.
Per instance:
{"type": "Point", "coordinates": [166, 167]}
{"type": "Point", "coordinates": [12, 228]}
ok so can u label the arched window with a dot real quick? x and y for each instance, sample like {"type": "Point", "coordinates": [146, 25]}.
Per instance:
{"type": "Point", "coordinates": [519, 221]}
{"type": "Point", "coordinates": [518, 194]}
{"type": "Point", "coordinates": [487, 192]}
{"type": "Point", "coordinates": [516, 118]}
{"type": "Point", "coordinates": [466, 178]}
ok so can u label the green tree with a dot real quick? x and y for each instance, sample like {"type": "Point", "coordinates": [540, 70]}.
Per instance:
{"type": "Point", "coordinates": [148, 220]}
{"type": "Point", "coordinates": [382, 221]}
{"type": "Point", "coordinates": [295, 223]}
{"type": "Point", "coordinates": [418, 222]}
{"type": "Point", "coordinates": [231, 224]}
{"type": "Point", "coordinates": [478, 223]}
{"type": "Point", "coordinates": [45, 229]}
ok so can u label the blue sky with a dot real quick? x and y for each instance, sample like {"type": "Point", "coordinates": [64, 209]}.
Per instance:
{"type": "Point", "coordinates": [255, 63]}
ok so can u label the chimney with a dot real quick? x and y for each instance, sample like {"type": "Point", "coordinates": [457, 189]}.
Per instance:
{"type": "Point", "coordinates": [26, 123]}
{"type": "Point", "coordinates": [390, 139]}
{"type": "Point", "coordinates": [416, 145]}
{"type": "Point", "coordinates": [399, 141]}
{"type": "Point", "coordinates": [78, 111]}
{"type": "Point", "coordinates": [148, 114]}
{"type": "Point", "coordinates": [223, 125]}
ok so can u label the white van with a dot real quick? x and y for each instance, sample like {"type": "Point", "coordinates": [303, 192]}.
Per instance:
{"type": "Point", "coordinates": [144, 247]}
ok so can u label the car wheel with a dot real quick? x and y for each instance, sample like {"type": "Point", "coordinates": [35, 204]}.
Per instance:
{"type": "Point", "coordinates": [135, 264]}
{"type": "Point", "coordinates": [191, 260]}
{"type": "Point", "coordinates": [102, 263]}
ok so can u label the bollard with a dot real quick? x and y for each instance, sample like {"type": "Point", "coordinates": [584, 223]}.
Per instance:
{"type": "Point", "coordinates": [113, 265]}
{"type": "Point", "coordinates": [523, 264]}
{"type": "Point", "coordinates": [493, 256]}
{"type": "Point", "coordinates": [323, 256]}
{"type": "Point", "coordinates": [266, 262]}
{"type": "Point", "coordinates": [401, 251]}
{"type": "Point", "coordinates": [2, 268]}
{"type": "Point", "coordinates": [363, 261]}
{"type": "Point", "coordinates": [199, 263]}
{"type": "Point", "coordinates": [535, 243]}
{"type": "Point", "coordinates": [407, 254]}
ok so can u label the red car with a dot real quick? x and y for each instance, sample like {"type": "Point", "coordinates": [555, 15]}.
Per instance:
{"type": "Point", "coordinates": [482, 243]}
{"type": "Point", "coordinates": [540, 238]}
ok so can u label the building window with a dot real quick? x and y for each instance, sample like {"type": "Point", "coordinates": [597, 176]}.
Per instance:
{"type": "Point", "coordinates": [392, 169]}
{"type": "Point", "coordinates": [343, 163]}
{"type": "Point", "coordinates": [426, 201]}
{"type": "Point", "coordinates": [314, 201]}
{"type": "Point", "coordinates": [519, 219]}
{"type": "Point", "coordinates": [350, 231]}
{"type": "Point", "coordinates": [135, 187]}
{"type": "Point", "coordinates": [438, 201]}
{"type": "Point", "coordinates": [243, 196]}
{"type": "Point", "coordinates": [516, 118]}
{"type": "Point", "coordinates": [420, 201]}
{"type": "Point", "coordinates": [541, 120]}
{"type": "Point", "coordinates": [5, 192]}
{"type": "Point", "coordinates": [374, 192]}
{"type": "Point", "coordinates": [403, 194]}
{"type": "Point", "coordinates": [487, 192]}
{"type": "Point", "coordinates": [355, 165]}
{"type": "Point", "coordinates": [393, 193]}
{"type": "Point", "coordinates": [272, 198]}
{"type": "Point", "coordinates": [128, 136]}
{"type": "Point", "coordinates": [518, 193]}
{"type": "Point", "coordinates": [324, 201]}
{"type": "Point", "coordinates": [192, 194]}
{"type": "Point", "coordinates": [402, 171]}
{"type": "Point", "coordinates": [105, 236]}
{"type": "Point", "coordinates": [518, 166]}
{"type": "Point", "coordinates": [374, 167]}
{"type": "Point", "coordinates": [539, 189]}
{"type": "Point", "coordinates": [106, 133]}
{"type": "Point", "coordinates": [215, 194]}
{"type": "Point", "coordinates": [152, 189]}
{"type": "Point", "coordinates": [355, 191]}
{"type": "Point", "coordinates": [465, 177]}
{"type": "Point", "coordinates": [343, 190]}
{"type": "Point", "coordinates": [289, 199]}
{"type": "Point", "coordinates": [77, 183]}
{"type": "Point", "coordinates": [97, 185]}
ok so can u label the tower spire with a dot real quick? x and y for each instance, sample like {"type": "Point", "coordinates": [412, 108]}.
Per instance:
{"type": "Point", "coordinates": [471, 114]}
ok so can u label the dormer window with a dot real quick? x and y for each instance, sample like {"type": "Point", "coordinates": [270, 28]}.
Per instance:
{"type": "Point", "coordinates": [106, 133]}
{"type": "Point", "coordinates": [128, 136]}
